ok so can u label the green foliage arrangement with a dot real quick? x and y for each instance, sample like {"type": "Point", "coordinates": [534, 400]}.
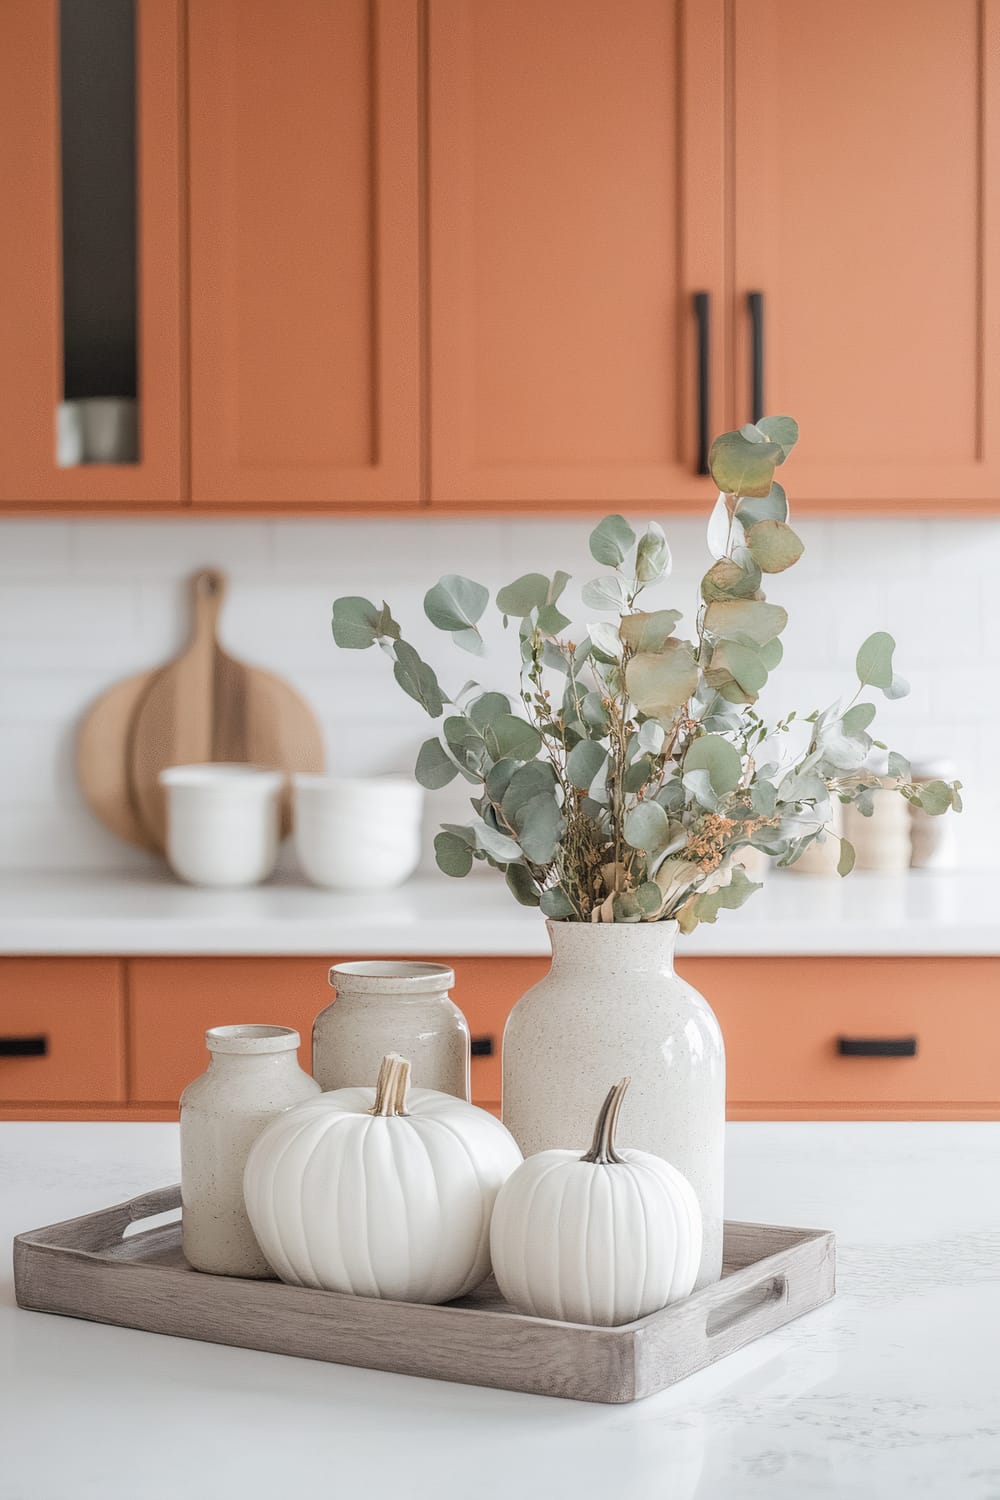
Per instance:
{"type": "Point", "coordinates": [634, 769]}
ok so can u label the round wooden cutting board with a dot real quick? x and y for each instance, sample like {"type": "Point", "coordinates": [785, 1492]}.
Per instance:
{"type": "Point", "coordinates": [203, 706]}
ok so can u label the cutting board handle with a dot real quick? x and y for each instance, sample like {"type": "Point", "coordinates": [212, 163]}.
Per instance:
{"type": "Point", "coordinates": [208, 593]}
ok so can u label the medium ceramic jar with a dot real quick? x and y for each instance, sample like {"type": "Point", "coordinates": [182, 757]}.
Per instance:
{"type": "Point", "coordinates": [253, 1074]}
{"type": "Point", "coordinates": [611, 1006]}
{"type": "Point", "coordinates": [388, 1006]}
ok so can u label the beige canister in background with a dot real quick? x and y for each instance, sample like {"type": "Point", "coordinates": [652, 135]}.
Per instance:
{"type": "Point", "coordinates": [881, 842]}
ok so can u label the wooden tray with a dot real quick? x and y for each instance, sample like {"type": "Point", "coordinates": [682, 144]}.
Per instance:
{"type": "Point", "coordinates": [90, 1268]}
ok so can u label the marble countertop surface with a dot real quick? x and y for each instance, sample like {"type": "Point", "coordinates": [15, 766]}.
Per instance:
{"type": "Point", "coordinates": [889, 1391]}
{"type": "Point", "coordinates": [98, 913]}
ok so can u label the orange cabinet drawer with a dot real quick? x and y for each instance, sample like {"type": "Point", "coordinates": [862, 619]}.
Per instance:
{"type": "Point", "coordinates": [173, 1002]}
{"type": "Point", "coordinates": [783, 1019]}
{"type": "Point", "coordinates": [61, 1031]}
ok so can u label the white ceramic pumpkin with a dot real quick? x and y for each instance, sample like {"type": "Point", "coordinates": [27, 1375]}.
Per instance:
{"type": "Point", "coordinates": [384, 1192]}
{"type": "Point", "coordinates": [602, 1238]}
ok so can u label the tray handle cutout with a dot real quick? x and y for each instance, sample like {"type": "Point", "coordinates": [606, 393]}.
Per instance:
{"type": "Point", "coordinates": [148, 1211]}
{"type": "Point", "coordinates": [757, 1300]}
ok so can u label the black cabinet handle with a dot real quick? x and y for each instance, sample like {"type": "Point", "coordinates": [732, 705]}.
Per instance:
{"type": "Point", "coordinates": [24, 1046]}
{"type": "Point", "coordinates": [703, 317]}
{"type": "Point", "coordinates": [873, 1046]}
{"type": "Point", "coordinates": [755, 304]}
{"type": "Point", "coordinates": [481, 1046]}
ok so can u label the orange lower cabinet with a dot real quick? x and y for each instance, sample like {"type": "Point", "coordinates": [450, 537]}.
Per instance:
{"type": "Point", "coordinates": [62, 1033]}
{"type": "Point", "coordinates": [857, 1038]}
{"type": "Point", "coordinates": [173, 1002]}
{"type": "Point", "coordinates": [485, 990]}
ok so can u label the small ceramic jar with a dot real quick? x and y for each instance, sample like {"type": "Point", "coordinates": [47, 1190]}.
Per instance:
{"type": "Point", "coordinates": [386, 1007]}
{"type": "Point", "coordinates": [361, 834]}
{"type": "Point", "coordinates": [253, 1074]}
{"type": "Point", "coordinates": [881, 841]}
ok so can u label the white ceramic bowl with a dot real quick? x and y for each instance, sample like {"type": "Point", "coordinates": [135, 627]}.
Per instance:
{"type": "Point", "coordinates": [222, 822]}
{"type": "Point", "coordinates": [357, 834]}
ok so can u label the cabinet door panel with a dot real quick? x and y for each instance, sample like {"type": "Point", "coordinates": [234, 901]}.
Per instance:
{"type": "Point", "coordinates": [575, 207]}
{"type": "Point", "coordinates": [304, 282]}
{"type": "Point", "coordinates": [31, 373]}
{"type": "Point", "coordinates": [62, 1024]}
{"type": "Point", "coordinates": [866, 196]}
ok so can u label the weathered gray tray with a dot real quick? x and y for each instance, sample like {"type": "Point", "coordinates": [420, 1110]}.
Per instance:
{"type": "Point", "coordinates": [89, 1268]}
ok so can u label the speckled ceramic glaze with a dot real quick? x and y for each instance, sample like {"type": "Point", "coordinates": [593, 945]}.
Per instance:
{"type": "Point", "coordinates": [611, 1005]}
{"type": "Point", "coordinates": [252, 1076]}
{"type": "Point", "coordinates": [391, 1006]}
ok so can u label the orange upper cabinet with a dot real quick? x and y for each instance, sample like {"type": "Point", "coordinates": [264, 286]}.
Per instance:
{"type": "Point", "coordinates": [90, 251]}
{"type": "Point", "coordinates": [304, 251]}
{"type": "Point", "coordinates": [866, 210]}
{"type": "Point", "coordinates": [575, 209]}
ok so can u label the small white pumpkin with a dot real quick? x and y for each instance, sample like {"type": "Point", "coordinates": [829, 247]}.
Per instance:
{"type": "Point", "coordinates": [379, 1192]}
{"type": "Point", "coordinates": [603, 1238]}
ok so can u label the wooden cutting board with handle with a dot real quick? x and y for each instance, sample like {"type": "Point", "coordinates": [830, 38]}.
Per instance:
{"type": "Point", "coordinates": [101, 762]}
{"type": "Point", "coordinates": [207, 706]}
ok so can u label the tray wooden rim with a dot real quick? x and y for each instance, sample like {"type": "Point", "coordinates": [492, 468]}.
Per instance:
{"type": "Point", "coordinates": [75, 1268]}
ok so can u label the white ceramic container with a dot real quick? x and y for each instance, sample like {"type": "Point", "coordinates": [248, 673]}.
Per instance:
{"type": "Point", "coordinates": [611, 1006]}
{"type": "Point", "coordinates": [390, 1006]}
{"type": "Point", "coordinates": [110, 429]}
{"type": "Point", "coordinates": [357, 834]}
{"type": "Point", "coordinates": [69, 434]}
{"type": "Point", "coordinates": [222, 822]}
{"type": "Point", "coordinates": [253, 1074]}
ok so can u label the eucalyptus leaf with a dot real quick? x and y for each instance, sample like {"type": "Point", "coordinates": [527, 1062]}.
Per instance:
{"type": "Point", "coordinates": [607, 592]}
{"type": "Point", "coordinates": [649, 898]}
{"type": "Point", "coordinates": [528, 781]}
{"type": "Point", "coordinates": [773, 546]}
{"type": "Point", "coordinates": [435, 767]}
{"type": "Point", "coordinates": [651, 736]}
{"type": "Point", "coordinates": [605, 640]}
{"type": "Point", "coordinates": [728, 579]}
{"type": "Point", "coordinates": [637, 774]}
{"type": "Point", "coordinates": [611, 541]}
{"type": "Point", "coordinates": [526, 593]}
{"type": "Point", "coordinates": [357, 623]}
{"type": "Point", "coordinates": [583, 763]}
{"type": "Point", "coordinates": [899, 766]}
{"type": "Point", "coordinates": [488, 708]}
{"type": "Point", "coordinates": [652, 558]}
{"type": "Point", "coordinates": [453, 855]}
{"type": "Point", "coordinates": [845, 864]}
{"type": "Point", "coordinates": [660, 683]}
{"type": "Point", "coordinates": [521, 884]}
{"type": "Point", "coordinates": [770, 507]}
{"type": "Point", "coordinates": [781, 430]}
{"type": "Point", "coordinates": [499, 777]}
{"type": "Point", "coordinates": [699, 784]}
{"type": "Point", "coordinates": [647, 827]}
{"type": "Point", "coordinates": [417, 679]}
{"type": "Point", "coordinates": [497, 844]}
{"type": "Point", "coordinates": [551, 620]}
{"type": "Point", "coordinates": [706, 907]}
{"type": "Point", "coordinates": [935, 797]}
{"type": "Point", "coordinates": [771, 653]}
{"type": "Point", "coordinates": [719, 758]}
{"type": "Point", "coordinates": [737, 663]}
{"type": "Point", "coordinates": [455, 603]}
{"type": "Point", "coordinates": [754, 618]}
{"type": "Point", "coordinates": [539, 825]}
{"type": "Point", "coordinates": [741, 467]}
{"type": "Point", "coordinates": [594, 713]}
{"type": "Point", "coordinates": [720, 524]}
{"type": "Point", "coordinates": [556, 904]}
{"type": "Point", "coordinates": [509, 737]}
{"type": "Point", "coordinates": [874, 661]}
{"type": "Point", "coordinates": [469, 640]}
{"type": "Point", "coordinates": [857, 718]}
{"type": "Point", "coordinates": [648, 632]}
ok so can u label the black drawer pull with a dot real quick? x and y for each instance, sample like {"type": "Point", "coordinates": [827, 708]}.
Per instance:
{"type": "Point", "coordinates": [874, 1046]}
{"type": "Point", "coordinates": [24, 1046]}
{"type": "Point", "coordinates": [481, 1046]}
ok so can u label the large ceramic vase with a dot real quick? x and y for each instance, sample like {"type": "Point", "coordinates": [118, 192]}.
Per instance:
{"type": "Point", "coordinates": [611, 1005]}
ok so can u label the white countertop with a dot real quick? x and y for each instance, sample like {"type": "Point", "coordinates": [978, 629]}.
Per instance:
{"type": "Point", "coordinates": [889, 1391]}
{"type": "Point", "coordinates": [79, 913]}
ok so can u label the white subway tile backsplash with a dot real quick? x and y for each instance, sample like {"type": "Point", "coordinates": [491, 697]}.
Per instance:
{"type": "Point", "coordinates": [85, 602]}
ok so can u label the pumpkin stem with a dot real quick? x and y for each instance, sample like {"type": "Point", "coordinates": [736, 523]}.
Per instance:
{"type": "Point", "coordinates": [603, 1152]}
{"type": "Point", "coordinates": [391, 1086]}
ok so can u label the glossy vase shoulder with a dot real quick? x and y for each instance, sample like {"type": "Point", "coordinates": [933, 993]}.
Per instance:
{"type": "Point", "coordinates": [612, 1006]}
